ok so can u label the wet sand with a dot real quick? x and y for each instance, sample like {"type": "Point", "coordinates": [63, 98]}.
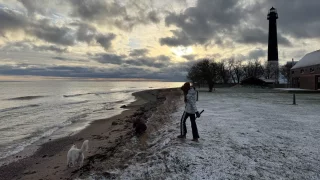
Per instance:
{"type": "Point", "coordinates": [105, 136]}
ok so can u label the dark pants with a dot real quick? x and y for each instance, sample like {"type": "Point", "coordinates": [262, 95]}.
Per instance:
{"type": "Point", "coordinates": [183, 126]}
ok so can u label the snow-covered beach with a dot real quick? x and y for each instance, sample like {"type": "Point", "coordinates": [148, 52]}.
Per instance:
{"type": "Point", "coordinates": [245, 133]}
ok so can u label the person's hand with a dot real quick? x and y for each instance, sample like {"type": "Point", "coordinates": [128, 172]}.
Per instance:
{"type": "Point", "coordinates": [197, 114]}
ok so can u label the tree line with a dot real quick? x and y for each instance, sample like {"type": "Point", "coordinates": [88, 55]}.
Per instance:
{"type": "Point", "coordinates": [231, 71]}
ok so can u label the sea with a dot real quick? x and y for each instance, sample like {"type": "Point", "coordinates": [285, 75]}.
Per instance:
{"type": "Point", "coordinates": [33, 110]}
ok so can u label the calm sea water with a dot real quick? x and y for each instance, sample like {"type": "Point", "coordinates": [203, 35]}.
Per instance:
{"type": "Point", "coordinates": [31, 111]}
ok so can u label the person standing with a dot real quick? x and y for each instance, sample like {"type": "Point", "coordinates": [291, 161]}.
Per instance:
{"type": "Point", "coordinates": [191, 111]}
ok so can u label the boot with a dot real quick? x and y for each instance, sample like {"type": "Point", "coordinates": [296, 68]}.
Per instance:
{"type": "Point", "coordinates": [181, 136]}
{"type": "Point", "coordinates": [195, 140]}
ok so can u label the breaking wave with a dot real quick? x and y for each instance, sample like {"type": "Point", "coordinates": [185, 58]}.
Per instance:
{"type": "Point", "coordinates": [19, 107]}
{"type": "Point", "coordinates": [97, 93]}
{"type": "Point", "coordinates": [26, 98]}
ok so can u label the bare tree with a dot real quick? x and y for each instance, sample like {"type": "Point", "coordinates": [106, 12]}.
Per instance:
{"type": "Point", "coordinates": [238, 70]}
{"type": "Point", "coordinates": [204, 70]}
{"type": "Point", "coordinates": [253, 69]}
{"type": "Point", "coordinates": [224, 73]}
{"type": "Point", "coordinates": [230, 67]}
{"type": "Point", "coordinates": [271, 70]}
{"type": "Point", "coordinates": [285, 70]}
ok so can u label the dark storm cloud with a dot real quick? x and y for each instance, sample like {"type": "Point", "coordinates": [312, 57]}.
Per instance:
{"type": "Point", "coordinates": [298, 18]}
{"type": "Point", "coordinates": [253, 35]}
{"type": "Point", "coordinates": [163, 58]}
{"type": "Point", "coordinates": [179, 38]}
{"type": "Point", "coordinates": [11, 20]}
{"type": "Point", "coordinates": [190, 57]}
{"type": "Point", "coordinates": [200, 24]}
{"type": "Point", "coordinates": [34, 6]}
{"type": "Point", "coordinates": [283, 40]}
{"type": "Point", "coordinates": [46, 31]}
{"type": "Point", "coordinates": [156, 62]}
{"type": "Point", "coordinates": [258, 35]}
{"type": "Point", "coordinates": [97, 9]}
{"type": "Point", "coordinates": [87, 33]}
{"type": "Point", "coordinates": [105, 40]}
{"type": "Point", "coordinates": [113, 13]}
{"type": "Point", "coordinates": [153, 16]}
{"type": "Point", "coordinates": [257, 53]}
{"type": "Point", "coordinates": [109, 58]}
{"type": "Point", "coordinates": [14, 20]}
{"type": "Point", "coordinates": [67, 36]}
{"type": "Point", "coordinates": [221, 21]}
{"type": "Point", "coordinates": [138, 52]}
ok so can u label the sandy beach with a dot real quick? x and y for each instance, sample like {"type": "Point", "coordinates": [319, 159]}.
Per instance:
{"type": "Point", "coordinates": [106, 136]}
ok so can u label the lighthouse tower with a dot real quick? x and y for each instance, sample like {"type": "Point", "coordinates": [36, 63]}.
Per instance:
{"type": "Point", "coordinates": [273, 63]}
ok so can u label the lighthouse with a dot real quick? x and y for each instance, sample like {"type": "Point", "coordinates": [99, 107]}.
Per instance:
{"type": "Point", "coordinates": [273, 63]}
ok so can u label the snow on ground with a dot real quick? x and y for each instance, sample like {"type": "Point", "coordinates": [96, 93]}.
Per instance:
{"type": "Point", "coordinates": [293, 89]}
{"type": "Point", "coordinates": [244, 134]}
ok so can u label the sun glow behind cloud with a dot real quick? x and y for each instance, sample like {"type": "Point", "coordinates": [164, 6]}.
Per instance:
{"type": "Point", "coordinates": [182, 51]}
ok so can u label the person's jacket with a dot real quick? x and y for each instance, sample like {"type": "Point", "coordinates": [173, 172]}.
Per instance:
{"type": "Point", "coordinates": [191, 107]}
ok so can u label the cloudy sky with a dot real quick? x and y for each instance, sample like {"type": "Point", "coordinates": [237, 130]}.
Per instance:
{"type": "Point", "coordinates": [146, 38]}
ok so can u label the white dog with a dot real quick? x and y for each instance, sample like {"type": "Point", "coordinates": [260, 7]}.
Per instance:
{"type": "Point", "coordinates": [75, 155]}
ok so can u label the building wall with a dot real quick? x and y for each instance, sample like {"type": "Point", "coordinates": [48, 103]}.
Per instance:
{"type": "Point", "coordinates": [307, 79]}
{"type": "Point", "coordinates": [307, 82]}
